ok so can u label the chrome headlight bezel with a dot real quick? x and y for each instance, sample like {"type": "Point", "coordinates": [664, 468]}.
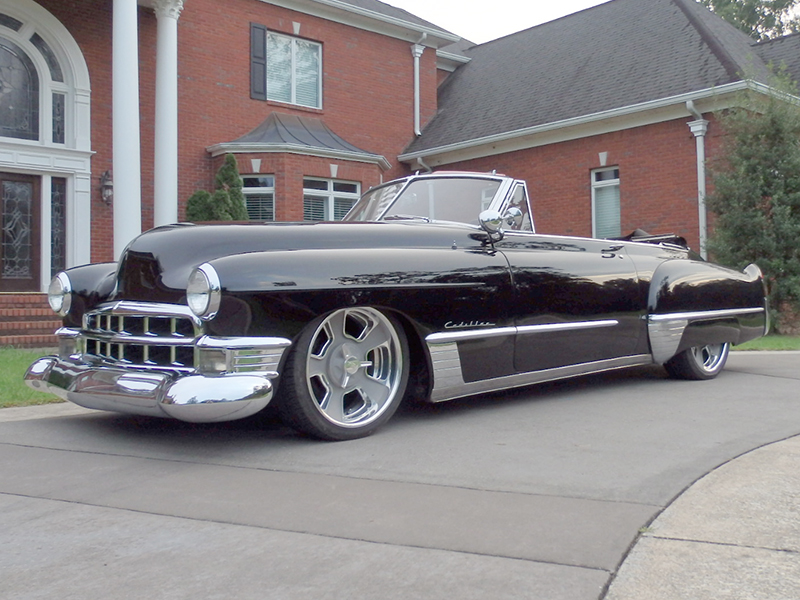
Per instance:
{"type": "Point", "coordinates": [204, 292]}
{"type": "Point", "coordinates": [59, 294]}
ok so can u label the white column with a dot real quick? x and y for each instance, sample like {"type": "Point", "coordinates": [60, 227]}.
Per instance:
{"type": "Point", "coordinates": [166, 134]}
{"type": "Point", "coordinates": [127, 158]}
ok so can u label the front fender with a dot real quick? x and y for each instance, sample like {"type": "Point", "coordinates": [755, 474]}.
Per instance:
{"type": "Point", "coordinates": [91, 285]}
{"type": "Point", "coordinates": [283, 290]}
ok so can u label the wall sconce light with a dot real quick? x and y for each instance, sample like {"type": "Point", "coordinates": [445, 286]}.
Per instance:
{"type": "Point", "coordinates": [106, 187]}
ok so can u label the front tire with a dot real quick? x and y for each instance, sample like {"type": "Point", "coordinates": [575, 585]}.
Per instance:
{"type": "Point", "coordinates": [698, 363]}
{"type": "Point", "coordinates": [346, 374]}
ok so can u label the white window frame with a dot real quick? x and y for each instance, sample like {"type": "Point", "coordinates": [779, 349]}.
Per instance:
{"type": "Point", "coordinates": [259, 191]}
{"type": "Point", "coordinates": [604, 184]}
{"type": "Point", "coordinates": [330, 194]}
{"type": "Point", "coordinates": [293, 82]}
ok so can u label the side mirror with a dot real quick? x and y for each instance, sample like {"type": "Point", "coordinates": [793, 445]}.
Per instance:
{"type": "Point", "coordinates": [491, 222]}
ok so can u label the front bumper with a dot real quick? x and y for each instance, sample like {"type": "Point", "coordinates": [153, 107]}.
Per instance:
{"type": "Point", "coordinates": [186, 395]}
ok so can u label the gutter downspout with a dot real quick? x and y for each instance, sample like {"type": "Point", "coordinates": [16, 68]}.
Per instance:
{"type": "Point", "coordinates": [416, 51]}
{"type": "Point", "coordinates": [699, 128]}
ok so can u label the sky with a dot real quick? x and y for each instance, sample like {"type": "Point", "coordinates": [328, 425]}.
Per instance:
{"type": "Point", "coordinates": [480, 21]}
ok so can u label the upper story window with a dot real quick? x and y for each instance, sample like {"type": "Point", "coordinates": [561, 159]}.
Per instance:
{"type": "Point", "coordinates": [259, 197]}
{"type": "Point", "coordinates": [33, 91]}
{"type": "Point", "coordinates": [327, 199]}
{"type": "Point", "coordinates": [285, 68]}
{"type": "Point", "coordinates": [606, 203]}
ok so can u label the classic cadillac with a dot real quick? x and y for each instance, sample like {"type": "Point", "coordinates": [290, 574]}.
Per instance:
{"type": "Point", "coordinates": [435, 286]}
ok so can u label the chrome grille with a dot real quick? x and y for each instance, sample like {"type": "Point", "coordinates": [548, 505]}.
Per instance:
{"type": "Point", "coordinates": [148, 335]}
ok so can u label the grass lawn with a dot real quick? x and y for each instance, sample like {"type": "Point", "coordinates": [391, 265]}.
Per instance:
{"type": "Point", "coordinates": [772, 342]}
{"type": "Point", "coordinates": [13, 391]}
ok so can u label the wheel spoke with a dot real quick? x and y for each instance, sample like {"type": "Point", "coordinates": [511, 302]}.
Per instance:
{"type": "Point", "coordinates": [375, 390]}
{"type": "Point", "coordinates": [333, 406]}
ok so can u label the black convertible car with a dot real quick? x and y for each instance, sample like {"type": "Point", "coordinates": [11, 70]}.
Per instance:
{"type": "Point", "coordinates": [435, 286]}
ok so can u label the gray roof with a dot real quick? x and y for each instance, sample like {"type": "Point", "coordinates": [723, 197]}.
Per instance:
{"type": "Point", "coordinates": [782, 52]}
{"type": "Point", "coordinates": [292, 133]}
{"type": "Point", "coordinates": [617, 54]}
{"type": "Point", "coordinates": [280, 129]}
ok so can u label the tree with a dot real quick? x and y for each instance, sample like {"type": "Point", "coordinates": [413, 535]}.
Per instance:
{"type": "Point", "coordinates": [227, 202]}
{"type": "Point", "coordinates": [760, 19]}
{"type": "Point", "coordinates": [756, 195]}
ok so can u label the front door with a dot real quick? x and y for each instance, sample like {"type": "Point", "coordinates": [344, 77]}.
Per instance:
{"type": "Point", "coordinates": [19, 233]}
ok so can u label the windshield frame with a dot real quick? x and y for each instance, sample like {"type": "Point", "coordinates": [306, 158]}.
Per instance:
{"type": "Point", "coordinates": [505, 184]}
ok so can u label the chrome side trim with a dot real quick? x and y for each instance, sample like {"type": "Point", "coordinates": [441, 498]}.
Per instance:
{"type": "Point", "coordinates": [665, 337]}
{"type": "Point", "coordinates": [446, 337]}
{"type": "Point", "coordinates": [441, 393]}
{"type": "Point", "coordinates": [525, 329]}
{"type": "Point", "coordinates": [446, 366]}
{"type": "Point", "coordinates": [706, 314]}
{"type": "Point", "coordinates": [666, 331]}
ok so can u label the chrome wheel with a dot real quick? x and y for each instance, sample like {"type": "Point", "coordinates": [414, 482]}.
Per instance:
{"type": "Point", "coordinates": [700, 362]}
{"type": "Point", "coordinates": [348, 374]}
{"type": "Point", "coordinates": [709, 358]}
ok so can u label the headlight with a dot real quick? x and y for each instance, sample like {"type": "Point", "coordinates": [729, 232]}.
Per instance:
{"type": "Point", "coordinates": [59, 294]}
{"type": "Point", "coordinates": [203, 293]}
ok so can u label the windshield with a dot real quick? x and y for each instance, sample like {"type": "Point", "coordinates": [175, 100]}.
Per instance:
{"type": "Point", "coordinates": [459, 199]}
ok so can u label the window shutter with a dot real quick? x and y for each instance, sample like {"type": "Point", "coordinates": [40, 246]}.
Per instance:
{"type": "Point", "coordinates": [258, 62]}
{"type": "Point", "coordinates": [313, 208]}
{"type": "Point", "coordinates": [341, 206]}
{"type": "Point", "coordinates": [260, 207]}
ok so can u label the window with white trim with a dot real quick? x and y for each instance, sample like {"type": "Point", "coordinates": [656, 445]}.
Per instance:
{"type": "Point", "coordinates": [285, 68]}
{"type": "Point", "coordinates": [33, 91]}
{"type": "Point", "coordinates": [606, 203]}
{"type": "Point", "coordinates": [328, 199]}
{"type": "Point", "coordinates": [259, 197]}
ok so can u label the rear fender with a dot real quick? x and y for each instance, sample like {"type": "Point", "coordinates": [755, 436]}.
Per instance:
{"type": "Point", "coordinates": [694, 303]}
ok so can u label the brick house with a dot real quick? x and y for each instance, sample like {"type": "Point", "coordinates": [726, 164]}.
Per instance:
{"type": "Point", "coordinates": [112, 112]}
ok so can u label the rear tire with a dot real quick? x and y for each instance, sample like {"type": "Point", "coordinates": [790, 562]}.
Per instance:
{"type": "Point", "coordinates": [346, 374]}
{"type": "Point", "coordinates": [698, 363]}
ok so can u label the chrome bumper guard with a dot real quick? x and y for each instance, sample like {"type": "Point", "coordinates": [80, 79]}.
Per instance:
{"type": "Point", "coordinates": [241, 385]}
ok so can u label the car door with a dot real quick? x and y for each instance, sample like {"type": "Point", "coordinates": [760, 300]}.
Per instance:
{"type": "Point", "coordinates": [577, 300]}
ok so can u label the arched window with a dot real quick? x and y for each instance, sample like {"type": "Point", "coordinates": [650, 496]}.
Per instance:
{"type": "Point", "coordinates": [19, 93]}
{"type": "Point", "coordinates": [33, 102]}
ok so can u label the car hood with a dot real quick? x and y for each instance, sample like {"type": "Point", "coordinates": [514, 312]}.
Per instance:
{"type": "Point", "coordinates": [156, 265]}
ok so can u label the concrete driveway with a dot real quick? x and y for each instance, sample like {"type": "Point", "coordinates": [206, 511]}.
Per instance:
{"type": "Point", "coordinates": [535, 493]}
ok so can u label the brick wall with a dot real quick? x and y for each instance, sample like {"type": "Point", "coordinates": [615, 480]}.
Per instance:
{"type": "Point", "coordinates": [367, 96]}
{"type": "Point", "coordinates": [658, 179]}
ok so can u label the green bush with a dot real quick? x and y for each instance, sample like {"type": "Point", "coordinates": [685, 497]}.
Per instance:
{"type": "Point", "coordinates": [756, 195]}
{"type": "Point", "coordinates": [226, 203]}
